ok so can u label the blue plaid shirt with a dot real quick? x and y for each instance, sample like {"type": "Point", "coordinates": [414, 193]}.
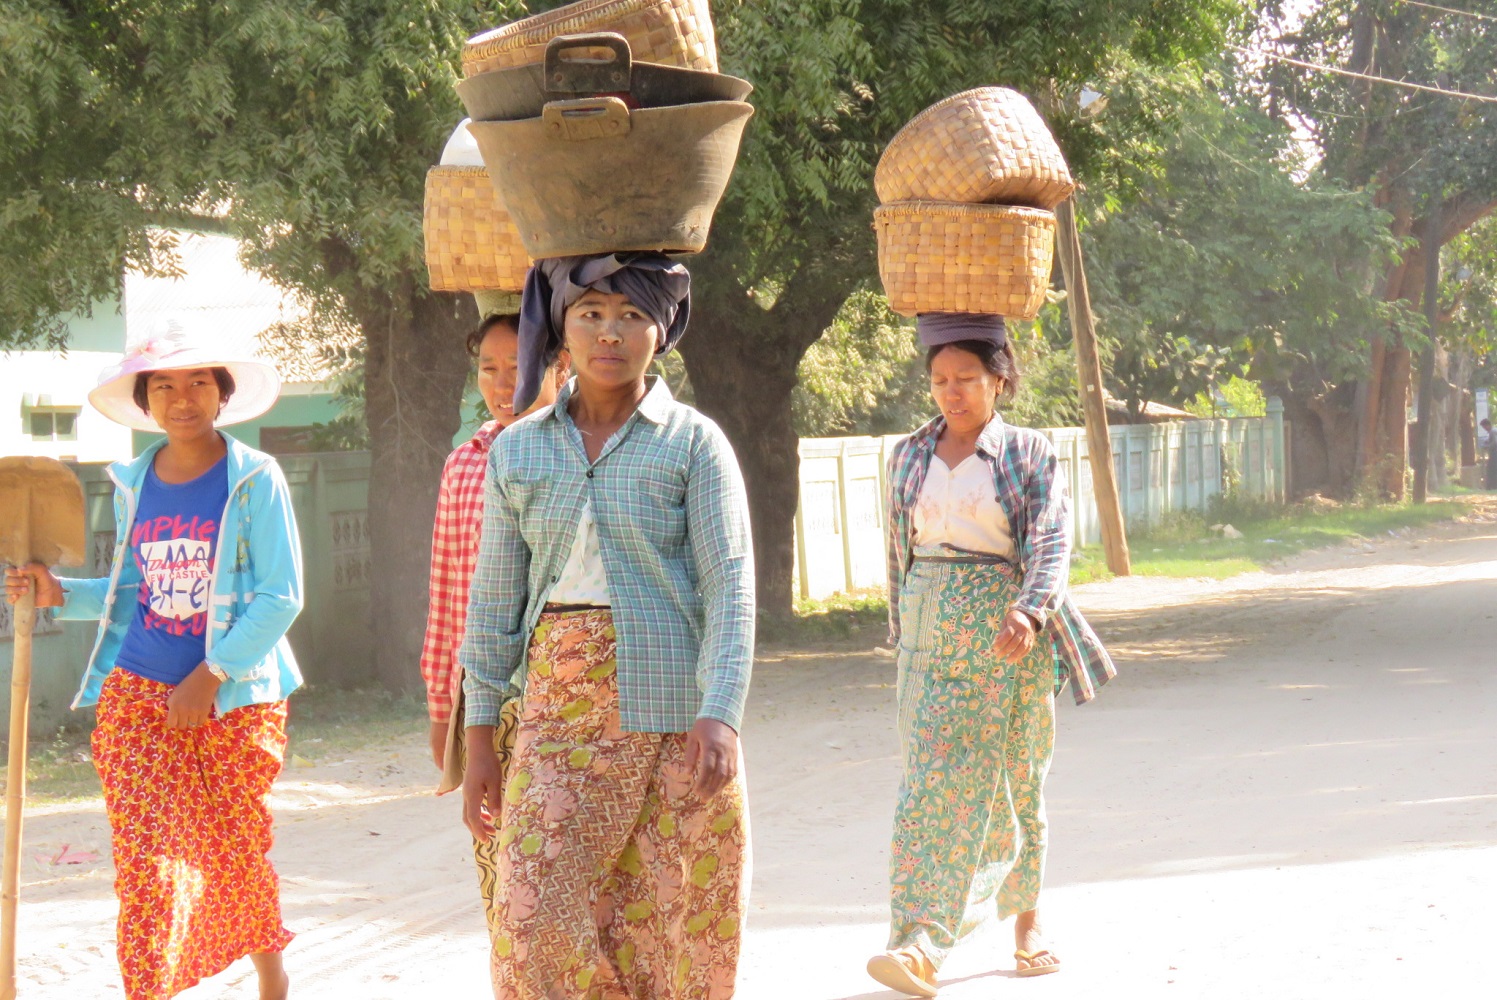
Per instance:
{"type": "Point", "coordinates": [673, 530]}
{"type": "Point", "coordinates": [1027, 487]}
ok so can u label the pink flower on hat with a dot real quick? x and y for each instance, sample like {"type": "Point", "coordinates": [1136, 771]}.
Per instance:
{"type": "Point", "coordinates": [153, 349]}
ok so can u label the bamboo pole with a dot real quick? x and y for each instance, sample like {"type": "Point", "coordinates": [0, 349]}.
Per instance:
{"type": "Point", "coordinates": [1089, 380]}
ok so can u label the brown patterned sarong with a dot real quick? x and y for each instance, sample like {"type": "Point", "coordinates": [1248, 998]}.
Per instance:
{"type": "Point", "coordinates": [611, 881]}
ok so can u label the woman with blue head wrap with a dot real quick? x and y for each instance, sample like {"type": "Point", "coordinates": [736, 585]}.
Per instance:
{"type": "Point", "coordinates": [979, 545]}
{"type": "Point", "coordinates": [614, 587]}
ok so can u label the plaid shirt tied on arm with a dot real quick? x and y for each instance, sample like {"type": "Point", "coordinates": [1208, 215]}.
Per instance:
{"type": "Point", "coordinates": [454, 551]}
{"type": "Point", "coordinates": [673, 530]}
{"type": "Point", "coordinates": [1027, 486]}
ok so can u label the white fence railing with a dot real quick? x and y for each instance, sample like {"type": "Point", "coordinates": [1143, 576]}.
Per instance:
{"type": "Point", "coordinates": [839, 524]}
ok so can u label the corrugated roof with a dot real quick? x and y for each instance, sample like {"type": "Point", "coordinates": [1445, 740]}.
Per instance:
{"type": "Point", "coordinates": [216, 292]}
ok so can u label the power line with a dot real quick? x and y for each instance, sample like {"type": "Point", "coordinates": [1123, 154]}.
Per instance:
{"type": "Point", "coordinates": [1408, 84]}
{"type": "Point", "coordinates": [1450, 10]}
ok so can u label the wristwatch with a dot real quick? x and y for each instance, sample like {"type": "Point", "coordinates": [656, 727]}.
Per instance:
{"type": "Point", "coordinates": [216, 671]}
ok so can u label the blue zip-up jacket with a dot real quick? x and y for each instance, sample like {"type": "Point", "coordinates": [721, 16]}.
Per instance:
{"type": "Point", "coordinates": [254, 596]}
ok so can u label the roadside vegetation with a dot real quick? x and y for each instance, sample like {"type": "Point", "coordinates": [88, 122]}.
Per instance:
{"type": "Point", "coordinates": [323, 722]}
{"type": "Point", "coordinates": [1185, 545]}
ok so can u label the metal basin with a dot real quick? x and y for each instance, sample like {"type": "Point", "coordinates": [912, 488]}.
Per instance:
{"type": "Point", "coordinates": [591, 65]}
{"type": "Point", "coordinates": [594, 176]}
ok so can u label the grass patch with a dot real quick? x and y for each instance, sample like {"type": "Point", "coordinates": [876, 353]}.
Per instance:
{"type": "Point", "coordinates": [839, 617]}
{"type": "Point", "coordinates": [325, 720]}
{"type": "Point", "coordinates": [1184, 545]}
{"type": "Point", "coordinates": [1181, 545]}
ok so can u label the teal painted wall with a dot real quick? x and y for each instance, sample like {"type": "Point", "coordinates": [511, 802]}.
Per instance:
{"type": "Point", "coordinates": [103, 331]}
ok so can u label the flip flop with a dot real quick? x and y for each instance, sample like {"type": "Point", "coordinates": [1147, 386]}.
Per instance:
{"type": "Point", "coordinates": [897, 970]}
{"type": "Point", "coordinates": [1036, 970]}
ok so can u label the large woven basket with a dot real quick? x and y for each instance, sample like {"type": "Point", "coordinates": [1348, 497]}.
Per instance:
{"type": "Point", "coordinates": [673, 32]}
{"type": "Point", "coordinates": [983, 146]}
{"type": "Point", "coordinates": [471, 242]}
{"type": "Point", "coordinates": [944, 257]}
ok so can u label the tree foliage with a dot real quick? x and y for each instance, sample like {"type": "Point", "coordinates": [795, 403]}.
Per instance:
{"type": "Point", "coordinates": [1415, 152]}
{"type": "Point", "coordinates": [1225, 260]}
{"type": "Point", "coordinates": [305, 127]}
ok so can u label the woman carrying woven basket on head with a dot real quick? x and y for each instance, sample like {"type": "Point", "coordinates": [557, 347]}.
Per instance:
{"type": "Point", "coordinates": [979, 551]}
{"type": "Point", "coordinates": [191, 668]}
{"type": "Point", "coordinates": [615, 585]}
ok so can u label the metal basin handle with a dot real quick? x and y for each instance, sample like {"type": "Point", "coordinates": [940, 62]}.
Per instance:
{"type": "Point", "coordinates": [588, 118]}
{"type": "Point", "coordinates": [588, 76]}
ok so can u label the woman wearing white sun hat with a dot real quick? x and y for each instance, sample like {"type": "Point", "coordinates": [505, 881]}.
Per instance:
{"type": "Point", "coordinates": [191, 667]}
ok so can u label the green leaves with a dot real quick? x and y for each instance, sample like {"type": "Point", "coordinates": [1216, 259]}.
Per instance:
{"type": "Point", "coordinates": [1223, 262]}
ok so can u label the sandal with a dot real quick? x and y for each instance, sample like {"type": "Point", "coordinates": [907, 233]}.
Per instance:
{"type": "Point", "coordinates": [906, 970]}
{"type": "Point", "coordinates": [1036, 970]}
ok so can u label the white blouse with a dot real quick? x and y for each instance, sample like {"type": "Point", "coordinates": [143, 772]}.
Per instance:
{"type": "Point", "coordinates": [959, 508]}
{"type": "Point", "coordinates": [581, 580]}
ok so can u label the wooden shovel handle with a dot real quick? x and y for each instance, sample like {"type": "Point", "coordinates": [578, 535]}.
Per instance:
{"type": "Point", "coordinates": [15, 787]}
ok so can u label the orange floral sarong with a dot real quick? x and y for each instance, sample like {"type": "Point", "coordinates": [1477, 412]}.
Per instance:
{"type": "Point", "coordinates": [191, 829]}
{"type": "Point", "coordinates": [613, 882]}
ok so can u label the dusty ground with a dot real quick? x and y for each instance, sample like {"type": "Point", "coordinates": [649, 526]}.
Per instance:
{"type": "Point", "coordinates": [1291, 792]}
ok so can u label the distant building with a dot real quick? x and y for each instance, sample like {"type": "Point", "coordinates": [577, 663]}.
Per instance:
{"type": "Point", "coordinates": [43, 394]}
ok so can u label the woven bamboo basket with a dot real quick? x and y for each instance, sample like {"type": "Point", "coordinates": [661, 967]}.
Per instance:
{"type": "Point", "coordinates": [471, 242]}
{"type": "Point", "coordinates": [983, 146]}
{"type": "Point", "coordinates": [672, 32]}
{"type": "Point", "coordinates": [945, 257]}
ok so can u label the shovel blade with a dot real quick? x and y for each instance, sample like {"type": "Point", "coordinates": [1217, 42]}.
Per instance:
{"type": "Point", "coordinates": [41, 512]}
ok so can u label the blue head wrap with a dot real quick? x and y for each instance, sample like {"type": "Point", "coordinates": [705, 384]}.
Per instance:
{"type": "Point", "coordinates": [652, 281]}
{"type": "Point", "coordinates": [936, 329]}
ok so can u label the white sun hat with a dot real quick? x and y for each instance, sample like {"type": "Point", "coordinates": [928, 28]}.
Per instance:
{"type": "Point", "coordinates": [171, 347]}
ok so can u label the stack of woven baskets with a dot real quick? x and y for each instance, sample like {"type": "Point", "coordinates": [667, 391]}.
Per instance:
{"type": "Point", "coordinates": [599, 127]}
{"type": "Point", "coordinates": [967, 222]}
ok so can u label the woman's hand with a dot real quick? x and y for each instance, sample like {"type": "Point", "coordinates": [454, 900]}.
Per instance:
{"type": "Point", "coordinates": [1016, 638]}
{"type": "Point", "coordinates": [33, 575]}
{"type": "Point", "coordinates": [482, 789]}
{"type": "Point", "coordinates": [437, 738]}
{"type": "Point", "coordinates": [711, 756]}
{"type": "Point", "coordinates": [191, 702]}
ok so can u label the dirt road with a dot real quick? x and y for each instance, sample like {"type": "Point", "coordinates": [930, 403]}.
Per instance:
{"type": "Point", "coordinates": [1291, 792]}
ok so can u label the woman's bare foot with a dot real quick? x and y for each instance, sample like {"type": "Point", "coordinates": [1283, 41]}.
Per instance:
{"type": "Point", "coordinates": [274, 983]}
{"type": "Point", "coordinates": [1031, 955]}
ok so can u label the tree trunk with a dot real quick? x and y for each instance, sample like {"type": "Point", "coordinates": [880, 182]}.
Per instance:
{"type": "Point", "coordinates": [414, 371]}
{"type": "Point", "coordinates": [759, 426]}
{"type": "Point", "coordinates": [1438, 471]}
{"type": "Point", "coordinates": [1323, 431]}
{"type": "Point", "coordinates": [734, 344]}
{"type": "Point", "coordinates": [1391, 432]}
{"type": "Point", "coordinates": [1462, 411]}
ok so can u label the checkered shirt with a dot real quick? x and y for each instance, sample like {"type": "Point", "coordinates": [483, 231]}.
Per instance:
{"type": "Point", "coordinates": [1029, 489]}
{"type": "Point", "coordinates": [454, 550]}
{"type": "Point", "coordinates": [673, 530]}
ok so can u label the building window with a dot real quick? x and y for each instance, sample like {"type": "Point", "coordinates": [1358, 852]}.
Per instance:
{"type": "Point", "coordinates": [57, 424]}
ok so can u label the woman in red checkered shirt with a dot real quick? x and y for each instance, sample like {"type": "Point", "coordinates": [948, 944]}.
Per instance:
{"type": "Point", "coordinates": [454, 539]}
{"type": "Point", "coordinates": [454, 550]}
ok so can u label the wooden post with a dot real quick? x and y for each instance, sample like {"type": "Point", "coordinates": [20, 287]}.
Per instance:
{"type": "Point", "coordinates": [1089, 380]}
{"type": "Point", "coordinates": [23, 619]}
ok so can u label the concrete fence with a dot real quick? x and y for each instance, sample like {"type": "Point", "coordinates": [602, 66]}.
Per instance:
{"type": "Point", "coordinates": [1161, 468]}
{"type": "Point", "coordinates": [839, 530]}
